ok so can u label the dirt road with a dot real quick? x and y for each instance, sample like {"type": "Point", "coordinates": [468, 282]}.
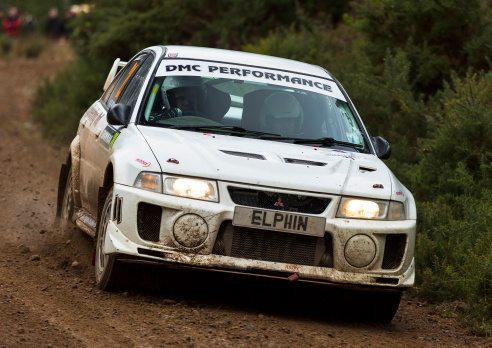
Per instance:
{"type": "Point", "coordinates": [48, 297]}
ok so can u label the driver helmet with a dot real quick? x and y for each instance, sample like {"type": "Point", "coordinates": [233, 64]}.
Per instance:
{"type": "Point", "coordinates": [186, 93]}
{"type": "Point", "coordinates": [281, 114]}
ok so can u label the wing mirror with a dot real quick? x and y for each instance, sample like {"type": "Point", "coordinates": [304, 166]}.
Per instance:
{"type": "Point", "coordinates": [382, 147]}
{"type": "Point", "coordinates": [119, 115]}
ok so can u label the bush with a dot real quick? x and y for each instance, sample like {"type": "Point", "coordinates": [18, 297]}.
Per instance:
{"type": "Point", "coordinates": [452, 183]}
{"type": "Point", "coordinates": [6, 45]}
{"type": "Point", "coordinates": [59, 104]}
{"type": "Point", "coordinates": [438, 36]}
{"type": "Point", "coordinates": [33, 49]}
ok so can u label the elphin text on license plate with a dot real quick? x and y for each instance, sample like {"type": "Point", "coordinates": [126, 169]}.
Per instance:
{"type": "Point", "coordinates": [279, 221]}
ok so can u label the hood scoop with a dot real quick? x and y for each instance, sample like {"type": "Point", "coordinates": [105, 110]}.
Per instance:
{"type": "Point", "coordinates": [364, 169]}
{"type": "Point", "coordinates": [304, 162]}
{"type": "Point", "coordinates": [244, 154]}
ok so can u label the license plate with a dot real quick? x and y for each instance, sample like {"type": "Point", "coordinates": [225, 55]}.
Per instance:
{"type": "Point", "coordinates": [279, 221]}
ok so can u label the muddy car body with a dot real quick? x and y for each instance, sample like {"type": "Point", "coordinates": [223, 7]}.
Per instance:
{"type": "Point", "coordinates": [239, 162]}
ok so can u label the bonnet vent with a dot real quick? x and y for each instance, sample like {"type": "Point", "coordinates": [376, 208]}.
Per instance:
{"type": "Point", "coordinates": [304, 162]}
{"type": "Point", "coordinates": [244, 154]}
{"type": "Point", "coordinates": [366, 169]}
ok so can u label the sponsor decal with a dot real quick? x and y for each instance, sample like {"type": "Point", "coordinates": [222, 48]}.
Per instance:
{"type": "Point", "coordinates": [257, 74]}
{"type": "Point", "coordinates": [142, 162]}
{"type": "Point", "coordinates": [93, 116]}
{"type": "Point", "coordinates": [108, 137]}
{"type": "Point", "coordinates": [173, 160]}
{"type": "Point", "coordinates": [172, 55]}
{"type": "Point", "coordinates": [335, 153]}
{"type": "Point", "coordinates": [292, 267]}
{"type": "Point", "coordinates": [399, 193]}
{"type": "Point", "coordinates": [378, 186]}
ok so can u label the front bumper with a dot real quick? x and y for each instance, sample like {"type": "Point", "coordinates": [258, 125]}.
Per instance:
{"type": "Point", "coordinates": [122, 238]}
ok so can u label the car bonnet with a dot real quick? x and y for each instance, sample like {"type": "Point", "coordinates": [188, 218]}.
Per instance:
{"type": "Point", "coordinates": [269, 163]}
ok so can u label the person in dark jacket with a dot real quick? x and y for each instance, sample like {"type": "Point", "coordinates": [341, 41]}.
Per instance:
{"type": "Point", "coordinates": [54, 26]}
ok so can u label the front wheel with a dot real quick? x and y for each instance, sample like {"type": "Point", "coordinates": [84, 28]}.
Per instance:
{"type": "Point", "coordinates": [379, 306]}
{"type": "Point", "coordinates": [110, 274]}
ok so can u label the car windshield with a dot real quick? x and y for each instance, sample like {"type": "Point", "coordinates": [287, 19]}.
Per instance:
{"type": "Point", "coordinates": [245, 101]}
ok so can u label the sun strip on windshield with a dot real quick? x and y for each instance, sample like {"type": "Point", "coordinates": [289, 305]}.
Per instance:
{"type": "Point", "coordinates": [177, 67]}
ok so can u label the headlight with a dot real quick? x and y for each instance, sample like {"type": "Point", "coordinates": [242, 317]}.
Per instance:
{"type": "Point", "coordinates": [149, 181]}
{"type": "Point", "coordinates": [356, 208]}
{"type": "Point", "coordinates": [192, 188]}
{"type": "Point", "coordinates": [183, 187]}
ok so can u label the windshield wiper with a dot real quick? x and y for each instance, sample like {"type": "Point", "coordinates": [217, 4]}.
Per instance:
{"type": "Point", "coordinates": [226, 129]}
{"type": "Point", "coordinates": [328, 142]}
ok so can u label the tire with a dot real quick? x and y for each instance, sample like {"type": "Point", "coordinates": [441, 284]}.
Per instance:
{"type": "Point", "coordinates": [106, 272]}
{"type": "Point", "coordinates": [110, 273]}
{"type": "Point", "coordinates": [67, 209]}
{"type": "Point", "coordinates": [379, 307]}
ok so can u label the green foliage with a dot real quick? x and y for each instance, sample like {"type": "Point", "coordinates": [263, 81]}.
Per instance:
{"type": "Point", "coordinates": [438, 36]}
{"type": "Point", "coordinates": [33, 49]}
{"type": "Point", "coordinates": [60, 104]}
{"type": "Point", "coordinates": [452, 183]}
{"type": "Point", "coordinates": [457, 157]}
{"type": "Point", "coordinates": [455, 254]}
{"type": "Point", "coordinates": [6, 45]}
{"type": "Point", "coordinates": [211, 23]}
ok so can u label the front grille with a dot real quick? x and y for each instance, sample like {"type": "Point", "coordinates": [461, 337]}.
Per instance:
{"type": "Point", "coordinates": [149, 221]}
{"type": "Point", "coordinates": [394, 250]}
{"type": "Point", "coordinates": [279, 201]}
{"type": "Point", "coordinates": [273, 246]}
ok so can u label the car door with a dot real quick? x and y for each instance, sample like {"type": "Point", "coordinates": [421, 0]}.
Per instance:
{"type": "Point", "coordinates": [98, 137]}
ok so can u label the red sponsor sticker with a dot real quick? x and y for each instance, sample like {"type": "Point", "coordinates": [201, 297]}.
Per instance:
{"type": "Point", "coordinates": [142, 162]}
{"type": "Point", "coordinates": [173, 55]}
{"type": "Point", "coordinates": [399, 193]}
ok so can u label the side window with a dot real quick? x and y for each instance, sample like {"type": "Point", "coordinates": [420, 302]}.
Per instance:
{"type": "Point", "coordinates": [135, 84]}
{"type": "Point", "coordinates": [116, 88]}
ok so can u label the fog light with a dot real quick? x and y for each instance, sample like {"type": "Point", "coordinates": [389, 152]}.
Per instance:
{"type": "Point", "coordinates": [360, 250]}
{"type": "Point", "coordinates": [190, 230]}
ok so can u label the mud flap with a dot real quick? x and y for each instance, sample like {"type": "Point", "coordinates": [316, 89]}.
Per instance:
{"type": "Point", "coordinates": [62, 183]}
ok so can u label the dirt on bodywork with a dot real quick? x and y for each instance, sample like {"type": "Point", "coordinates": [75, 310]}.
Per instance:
{"type": "Point", "coordinates": [48, 296]}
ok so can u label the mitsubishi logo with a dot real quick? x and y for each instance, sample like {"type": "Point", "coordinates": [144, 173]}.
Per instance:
{"type": "Point", "coordinates": [278, 204]}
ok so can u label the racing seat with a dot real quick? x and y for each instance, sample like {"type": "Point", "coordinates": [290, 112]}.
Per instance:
{"type": "Point", "coordinates": [216, 104]}
{"type": "Point", "coordinates": [252, 104]}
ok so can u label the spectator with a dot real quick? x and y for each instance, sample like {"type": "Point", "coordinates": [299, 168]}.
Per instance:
{"type": "Point", "coordinates": [12, 23]}
{"type": "Point", "coordinates": [67, 25]}
{"type": "Point", "coordinates": [28, 23]}
{"type": "Point", "coordinates": [54, 27]}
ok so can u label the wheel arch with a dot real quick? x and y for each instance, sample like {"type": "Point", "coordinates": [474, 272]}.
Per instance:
{"type": "Point", "coordinates": [107, 184]}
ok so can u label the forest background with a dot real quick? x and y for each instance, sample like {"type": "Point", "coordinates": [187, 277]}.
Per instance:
{"type": "Point", "coordinates": [418, 71]}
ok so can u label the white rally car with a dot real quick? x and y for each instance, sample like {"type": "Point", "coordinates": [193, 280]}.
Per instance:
{"type": "Point", "coordinates": [239, 162]}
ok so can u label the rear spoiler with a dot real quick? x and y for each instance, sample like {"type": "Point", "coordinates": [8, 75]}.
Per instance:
{"type": "Point", "coordinates": [112, 73]}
